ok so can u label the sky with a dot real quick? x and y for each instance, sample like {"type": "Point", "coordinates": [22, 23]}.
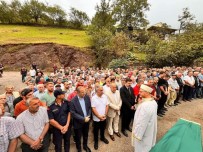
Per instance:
{"type": "Point", "coordinates": [166, 11]}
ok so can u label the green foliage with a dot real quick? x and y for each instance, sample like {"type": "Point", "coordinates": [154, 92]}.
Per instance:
{"type": "Point", "coordinates": [36, 12]}
{"type": "Point", "coordinates": [120, 45]}
{"type": "Point", "coordinates": [131, 13]}
{"type": "Point", "coordinates": [103, 17]}
{"type": "Point", "coordinates": [130, 59]}
{"type": "Point", "coordinates": [101, 41]}
{"type": "Point", "coordinates": [56, 15]}
{"type": "Point", "coordinates": [5, 12]}
{"type": "Point", "coordinates": [119, 63]}
{"type": "Point", "coordinates": [185, 19]}
{"type": "Point", "coordinates": [78, 19]}
{"type": "Point", "coordinates": [180, 50]}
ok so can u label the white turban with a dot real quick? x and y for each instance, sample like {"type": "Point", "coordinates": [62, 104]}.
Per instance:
{"type": "Point", "coordinates": [146, 88]}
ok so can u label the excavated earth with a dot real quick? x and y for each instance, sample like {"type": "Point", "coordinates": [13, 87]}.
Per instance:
{"type": "Point", "coordinates": [14, 56]}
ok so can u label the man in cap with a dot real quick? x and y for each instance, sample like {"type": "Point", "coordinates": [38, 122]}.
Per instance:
{"type": "Point", "coordinates": [22, 105]}
{"type": "Point", "coordinates": [145, 122]}
{"type": "Point", "coordinates": [59, 116]}
{"type": "Point", "coordinates": [173, 87]}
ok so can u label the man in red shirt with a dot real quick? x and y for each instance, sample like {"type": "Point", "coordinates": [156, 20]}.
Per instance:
{"type": "Point", "coordinates": [136, 89]}
{"type": "Point", "coordinates": [22, 105]}
{"type": "Point", "coordinates": [150, 83]}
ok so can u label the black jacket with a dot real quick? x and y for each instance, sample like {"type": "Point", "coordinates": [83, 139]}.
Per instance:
{"type": "Point", "coordinates": [128, 99]}
{"type": "Point", "coordinates": [77, 113]}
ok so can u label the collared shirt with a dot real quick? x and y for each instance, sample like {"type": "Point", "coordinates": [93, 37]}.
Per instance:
{"type": "Point", "coordinates": [59, 112]}
{"type": "Point", "coordinates": [33, 123]}
{"type": "Point", "coordinates": [190, 79]}
{"type": "Point", "coordinates": [200, 76]}
{"type": "Point", "coordinates": [9, 129]}
{"type": "Point", "coordinates": [21, 106]}
{"type": "Point", "coordinates": [48, 99]}
{"type": "Point", "coordinates": [38, 94]}
{"type": "Point", "coordinates": [82, 104]}
{"type": "Point", "coordinates": [100, 104]}
{"type": "Point", "coordinates": [173, 83]}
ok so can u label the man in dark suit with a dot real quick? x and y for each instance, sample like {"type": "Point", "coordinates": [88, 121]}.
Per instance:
{"type": "Point", "coordinates": [181, 84]}
{"type": "Point", "coordinates": [80, 108]}
{"type": "Point", "coordinates": [127, 109]}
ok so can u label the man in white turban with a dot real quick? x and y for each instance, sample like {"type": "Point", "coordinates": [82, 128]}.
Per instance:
{"type": "Point", "coordinates": [145, 122]}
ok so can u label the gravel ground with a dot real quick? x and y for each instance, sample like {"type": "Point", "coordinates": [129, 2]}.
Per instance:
{"type": "Point", "coordinates": [187, 110]}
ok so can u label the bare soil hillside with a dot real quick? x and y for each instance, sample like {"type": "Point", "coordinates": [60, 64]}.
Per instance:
{"type": "Point", "coordinates": [44, 54]}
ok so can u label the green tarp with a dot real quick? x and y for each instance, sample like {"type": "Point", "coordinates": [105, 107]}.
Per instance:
{"type": "Point", "coordinates": [184, 136]}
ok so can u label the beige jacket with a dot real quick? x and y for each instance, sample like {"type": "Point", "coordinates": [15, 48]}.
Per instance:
{"type": "Point", "coordinates": [114, 103]}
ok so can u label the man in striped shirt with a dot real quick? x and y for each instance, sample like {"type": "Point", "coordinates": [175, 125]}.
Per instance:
{"type": "Point", "coordinates": [10, 129]}
{"type": "Point", "coordinates": [36, 124]}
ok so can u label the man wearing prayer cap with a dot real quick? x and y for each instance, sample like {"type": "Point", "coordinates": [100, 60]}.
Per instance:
{"type": "Point", "coordinates": [145, 122]}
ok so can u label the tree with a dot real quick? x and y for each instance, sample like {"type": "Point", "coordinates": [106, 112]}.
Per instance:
{"type": "Point", "coordinates": [120, 45]}
{"type": "Point", "coordinates": [185, 19]}
{"type": "Point", "coordinates": [37, 10]}
{"type": "Point", "coordinates": [101, 42]}
{"type": "Point", "coordinates": [131, 13]}
{"type": "Point", "coordinates": [56, 14]}
{"type": "Point", "coordinates": [15, 7]}
{"type": "Point", "coordinates": [180, 50]}
{"type": "Point", "coordinates": [24, 13]}
{"type": "Point", "coordinates": [4, 12]}
{"type": "Point", "coordinates": [78, 19]}
{"type": "Point", "coordinates": [103, 17]}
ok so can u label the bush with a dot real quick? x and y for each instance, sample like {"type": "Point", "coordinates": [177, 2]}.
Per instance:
{"type": "Point", "coordinates": [119, 63]}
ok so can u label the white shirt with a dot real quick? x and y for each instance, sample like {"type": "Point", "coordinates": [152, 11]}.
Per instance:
{"type": "Point", "coordinates": [32, 73]}
{"type": "Point", "coordinates": [106, 88]}
{"type": "Point", "coordinates": [34, 123]}
{"type": "Point", "coordinates": [191, 79]}
{"type": "Point", "coordinates": [173, 83]}
{"type": "Point", "coordinates": [100, 104]}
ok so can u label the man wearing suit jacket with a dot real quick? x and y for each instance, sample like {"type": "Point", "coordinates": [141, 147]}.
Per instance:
{"type": "Point", "coordinates": [115, 103]}
{"type": "Point", "coordinates": [127, 109]}
{"type": "Point", "coordinates": [80, 108]}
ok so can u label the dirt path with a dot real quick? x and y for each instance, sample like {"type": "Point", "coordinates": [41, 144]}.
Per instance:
{"type": "Point", "coordinates": [188, 110]}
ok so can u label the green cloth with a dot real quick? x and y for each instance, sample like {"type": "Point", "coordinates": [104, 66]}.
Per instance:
{"type": "Point", "coordinates": [184, 136]}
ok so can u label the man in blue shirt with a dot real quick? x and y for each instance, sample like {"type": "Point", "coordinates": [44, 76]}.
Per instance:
{"type": "Point", "coordinates": [80, 108]}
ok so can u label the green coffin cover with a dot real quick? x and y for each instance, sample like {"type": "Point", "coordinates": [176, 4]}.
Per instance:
{"type": "Point", "coordinates": [184, 136]}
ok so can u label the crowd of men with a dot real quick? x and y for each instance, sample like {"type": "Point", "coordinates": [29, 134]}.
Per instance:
{"type": "Point", "coordinates": [55, 106]}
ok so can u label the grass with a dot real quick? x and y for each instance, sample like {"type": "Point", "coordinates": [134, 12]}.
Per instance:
{"type": "Point", "coordinates": [14, 34]}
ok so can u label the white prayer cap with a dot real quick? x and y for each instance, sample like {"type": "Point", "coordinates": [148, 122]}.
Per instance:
{"type": "Point", "coordinates": [146, 88]}
{"type": "Point", "coordinates": [69, 82]}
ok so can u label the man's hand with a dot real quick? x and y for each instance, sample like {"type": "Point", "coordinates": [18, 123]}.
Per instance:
{"type": "Point", "coordinates": [132, 108]}
{"type": "Point", "coordinates": [102, 118]}
{"type": "Point", "coordinates": [166, 93]}
{"type": "Point", "coordinates": [64, 129]}
{"type": "Point", "coordinates": [87, 119]}
{"type": "Point", "coordinates": [36, 144]}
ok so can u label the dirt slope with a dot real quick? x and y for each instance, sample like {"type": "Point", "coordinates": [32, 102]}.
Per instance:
{"type": "Point", "coordinates": [45, 55]}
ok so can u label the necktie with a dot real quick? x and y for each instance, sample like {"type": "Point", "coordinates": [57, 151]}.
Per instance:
{"type": "Point", "coordinates": [129, 91]}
